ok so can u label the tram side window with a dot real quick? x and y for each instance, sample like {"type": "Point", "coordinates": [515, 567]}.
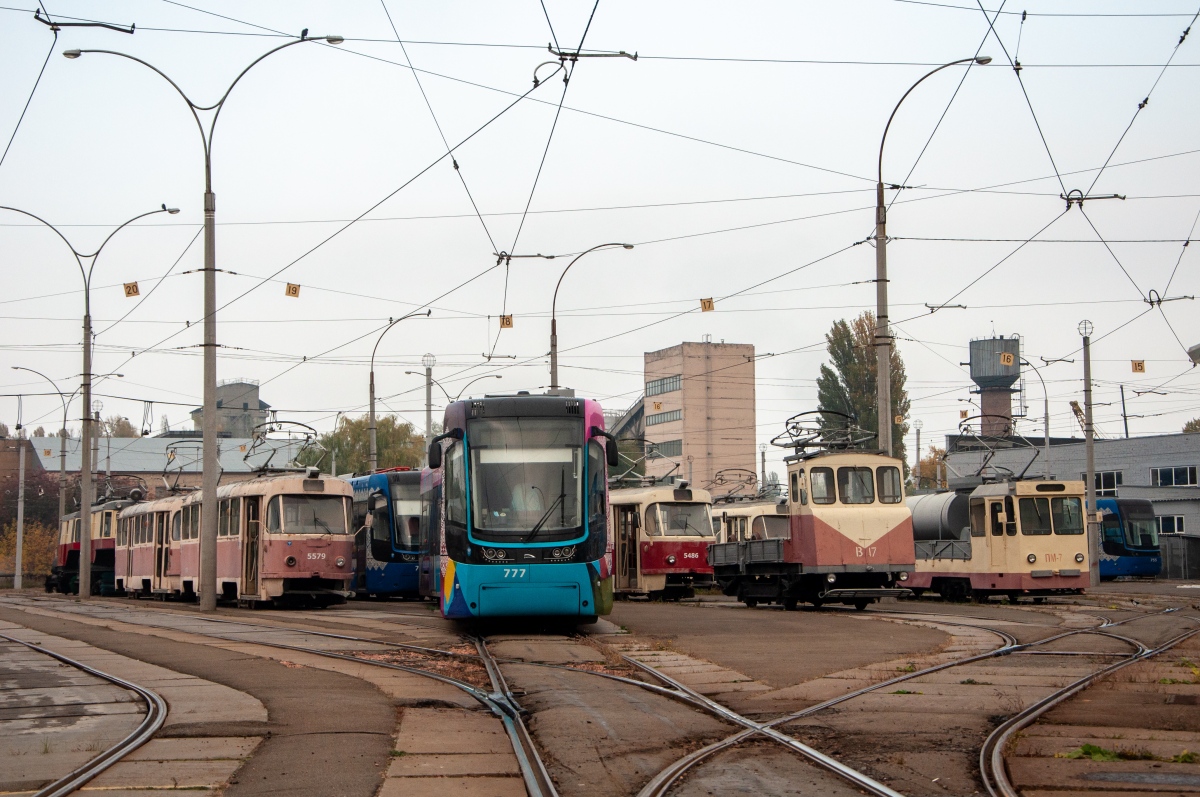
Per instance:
{"type": "Point", "coordinates": [652, 526]}
{"type": "Point", "coordinates": [856, 485]}
{"type": "Point", "coordinates": [820, 483]}
{"type": "Point", "coordinates": [120, 533]}
{"type": "Point", "coordinates": [235, 517]}
{"type": "Point", "coordinates": [455, 486]}
{"type": "Point", "coordinates": [1067, 514]}
{"type": "Point", "coordinates": [223, 519]}
{"type": "Point", "coordinates": [176, 526]}
{"type": "Point", "coordinates": [1035, 516]}
{"type": "Point", "coordinates": [1011, 514]}
{"type": "Point", "coordinates": [889, 484]}
{"type": "Point", "coordinates": [771, 527]}
{"type": "Point", "coordinates": [977, 518]}
{"type": "Point", "coordinates": [997, 527]}
{"type": "Point", "coordinates": [799, 491]}
{"type": "Point", "coordinates": [273, 515]}
{"type": "Point", "coordinates": [597, 486]}
{"type": "Point", "coordinates": [106, 525]}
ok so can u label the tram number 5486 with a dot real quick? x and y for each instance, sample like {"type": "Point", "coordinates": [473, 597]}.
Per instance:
{"type": "Point", "coordinates": [870, 551]}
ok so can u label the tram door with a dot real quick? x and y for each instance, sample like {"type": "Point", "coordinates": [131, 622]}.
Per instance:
{"type": "Point", "coordinates": [250, 545]}
{"type": "Point", "coordinates": [626, 549]}
{"type": "Point", "coordinates": [162, 549]}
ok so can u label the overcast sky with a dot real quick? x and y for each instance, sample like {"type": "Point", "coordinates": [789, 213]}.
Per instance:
{"type": "Point", "coordinates": [738, 153]}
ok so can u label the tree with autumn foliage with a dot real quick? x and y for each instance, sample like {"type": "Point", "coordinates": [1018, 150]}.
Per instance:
{"type": "Point", "coordinates": [397, 444]}
{"type": "Point", "coordinates": [925, 476]}
{"type": "Point", "coordinates": [1192, 426]}
{"type": "Point", "coordinates": [849, 386]}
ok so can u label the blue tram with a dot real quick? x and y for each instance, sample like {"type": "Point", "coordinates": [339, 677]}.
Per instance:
{"type": "Point", "coordinates": [516, 504]}
{"type": "Point", "coordinates": [387, 513]}
{"type": "Point", "coordinates": [1128, 538]}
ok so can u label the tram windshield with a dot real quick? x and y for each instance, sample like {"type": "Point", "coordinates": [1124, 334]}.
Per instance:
{"type": "Point", "coordinates": [309, 514]}
{"type": "Point", "coordinates": [678, 520]}
{"type": "Point", "coordinates": [406, 514]}
{"type": "Point", "coordinates": [526, 478]}
{"type": "Point", "coordinates": [1141, 530]}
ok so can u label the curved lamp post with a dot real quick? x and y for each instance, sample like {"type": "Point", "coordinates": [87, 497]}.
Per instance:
{"type": "Point", "coordinates": [883, 335]}
{"type": "Point", "coordinates": [62, 447]}
{"type": "Point", "coordinates": [85, 478]}
{"type": "Point", "coordinates": [1046, 411]}
{"type": "Point", "coordinates": [208, 512]}
{"type": "Point", "coordinates": [374, 458]}
{"type": "Point", "coordinates": [464, 388]}
{"type": "Point", "coordinates": [554, 306]}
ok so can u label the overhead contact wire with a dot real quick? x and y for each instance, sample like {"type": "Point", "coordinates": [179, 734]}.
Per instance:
{"type": "Point", "coordinates": [32, 91]}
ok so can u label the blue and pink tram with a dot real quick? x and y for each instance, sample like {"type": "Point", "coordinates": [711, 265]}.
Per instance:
{"type": "Point", "coordinates": [1129, 546]}
{"type": "Point", "coordinates": [387, 515]}
{"type": "Point", "coordinates": [516, 505]}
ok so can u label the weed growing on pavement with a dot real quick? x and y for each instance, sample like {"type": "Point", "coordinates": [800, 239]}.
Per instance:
{"type": "Point", "coordinates": [906, 692]}
{"type": "Point", "coordinates": [397, 753]}
{"type": "Point", "coordinates": [1095, 752]}
{"type": "Point", "coordinates": [45, 747]}
{"type": "Point", "coordinates": [1186, 757]}
{"type": "Point", "coordinates": [910, 667]}
{"type": "Point", "coordinates": [973, 682]}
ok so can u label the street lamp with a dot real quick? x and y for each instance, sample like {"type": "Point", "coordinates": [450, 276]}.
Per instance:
{"type": "Point", "coordinates": [62, 447]}
{"type": "Point", "coordinates": [554, 320]}
{"type": "Point", "coordinates": [1046, 412]}
{"type": "Point", "coordinates": [211, 466]}
{"type": "Point", "coordinates": [883, 335]}
{"type": "Point", "coordinates": [85, 481]}
{"type": "Point", "coordinates": [374, 457]}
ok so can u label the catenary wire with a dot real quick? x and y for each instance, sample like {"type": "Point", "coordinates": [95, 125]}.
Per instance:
{"type": "Point", "coordinates": [32, 91]}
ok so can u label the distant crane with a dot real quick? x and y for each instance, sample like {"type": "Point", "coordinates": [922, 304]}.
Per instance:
{"type": "Point", "coordinates": [1079, 416]}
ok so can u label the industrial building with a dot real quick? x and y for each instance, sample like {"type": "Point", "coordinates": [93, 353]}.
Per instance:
{"type": "Point", "coordinates": [239, 409]}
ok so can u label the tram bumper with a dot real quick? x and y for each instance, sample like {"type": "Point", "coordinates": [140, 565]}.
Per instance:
{"type": "Point", "coordinates": [851, 593]}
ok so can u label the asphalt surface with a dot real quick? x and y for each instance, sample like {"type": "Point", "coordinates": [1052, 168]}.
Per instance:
{"type": "Point", "coordinates": [327, 734]}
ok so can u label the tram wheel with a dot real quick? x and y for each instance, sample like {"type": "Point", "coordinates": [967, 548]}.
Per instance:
{"type": "Point", "coordinates": [861, 604]}
{"type": "Point", "coordinates": [789, 604]}
{"type": "Point", "coordinates": [750, 603]}
{"type": "Point", "coordinates": [817, 603]}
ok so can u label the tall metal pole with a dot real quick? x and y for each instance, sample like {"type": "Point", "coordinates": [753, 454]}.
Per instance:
{"type": "Point", "coordinates": [554, 308]}
{"type": "Point", "coordinates": [210, 458]}
{"type": "Point", "coordinates": [85, 465]}
{"type": "Point", "coordinates": [1093, 528]}
{"type": "Point", "coordinates": [763, 451]}
{"type": "Point", "coordinates": [883, 335]}
{"type": "Point", "coordinates": [429, 403]}
{"type": "Point", "coordinates": [20, 561]}
{"type": "Point", "coordinates": [62, 443]}
{"type": "Point", "coordinates": [918, 480]}
{"type": "Point", "coordinates": [1124, 415]}
{"type": "Point", "coordinates": [374, 459]}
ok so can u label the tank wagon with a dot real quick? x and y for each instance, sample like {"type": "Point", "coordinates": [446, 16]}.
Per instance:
{"type": "Point", "coordinates": [849, 534]}
{"type": "Point", "coordinates": [387, 516]}
{"type": "Point", "coordinates": [1129, 546]}
{"type": "Point", "coordinates": [515, 506]}
{"type": "Point", "coordinates": [662, 534]}
{"type": "Point", "coordinates": [283, 538]}
{"type": "Point", "coordinates": [1014, 538]}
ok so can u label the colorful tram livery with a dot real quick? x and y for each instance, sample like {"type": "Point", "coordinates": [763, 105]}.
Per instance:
{"type": "Point", "coordinates": [662, 534]}
{"type": "Point", "coordinates": [1009, 538]}
{"type": "Point", "coordinates": [1129, 546]}
{"type": "Point", "coordinates": [387, 516]}
{"type": "Point", "coordinates": [280, 538]}
{"type": "Point", "coordinates": [64, 574]}
{"type": "Point", "coordinates": [516, 504]}
{"type": "Point", "coordinates": [849, 537]}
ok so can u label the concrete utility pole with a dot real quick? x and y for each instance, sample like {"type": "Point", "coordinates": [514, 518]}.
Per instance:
{"type": "Point", "coordinates": [211, 461]}
{"type": "Point", "coordinates": [883, 334]}
{"type": "Point", "coordinates": [763, 450]}
{"type": "Point", "coordinates": [1093, 528]}
{"type": "Point", "coordinates": [1124, 415]}
{"type": "Point", "coordinates": [20, 561]}
{"type": "Point", "coordinates": [428, 361]}
{"type": "Point", "coordinates": [918, 424]}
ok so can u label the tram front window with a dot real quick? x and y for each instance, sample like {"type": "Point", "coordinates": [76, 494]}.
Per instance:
{"type": "Point", "coordinates": [679, 520]}
{"type": "Point", "coordinates": [1068, 515]}
{"type": "Point", "coordinates": [1141, 531]}
{"type": "Point", "coordinates": [406, 515]}
{"type": "Point", "coordinates": [309, 514]}
{"type": "Point", "coordinates": [526, 477]}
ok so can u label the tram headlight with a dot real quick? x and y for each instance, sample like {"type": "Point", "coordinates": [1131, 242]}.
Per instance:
{"type": "Point", "coordinates": [489, 553]}
{"type": "Point", "coordinates": [903, 576]}
{"type": "Point", "coordinates": [568, 552]}
{"type": "Point", "coordinates": [1079, 558]}
{"type": "Point", "coordinates": [832, 577]}
{"type": "Point", "coordinates": [341, 561]}
{"type": "Point", "coordinates": [1032, 558]}
{"type": "Point", "coordinates": [290, 561]}
{"type": "Point", "coordinates": [671, 559]}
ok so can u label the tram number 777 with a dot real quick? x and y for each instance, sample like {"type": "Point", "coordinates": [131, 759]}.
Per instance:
{"type": "Point", "coordinates": [515, 572]}
{"type": "Point", "coordinates": [858, 551]}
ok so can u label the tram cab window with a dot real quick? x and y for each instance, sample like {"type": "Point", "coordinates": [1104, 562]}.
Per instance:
{"type": "Point", "coordinates": [455, 486]}
{"type": "Point", "coordinates": [799, 491]}
{"type": "Point", "coordinates": [106, 525]}
{"type": "Point", "coordinates": [274, 525]}
{"type": "Point", "coordinates": [176, 526]}
{"type": "Point", "coordinates": [889, 484]}
{"type": "Point", "coordinates": [856, 485]}
{"type": "Point", "coordinates": [314, 514]}
{"type": "Point", "coordinates": [977, 518]}
{"type": "Point", "coordinates": [1035, 516]}
{"type": "Point", "coordinates": [996, 510]}
{"type": "Point", "coordinates": [597, 492]}
{"type": "Point", "coordinates": [1011, 515]}
{"type": "Point", "coordinates": [820, 483]}
{"type": "Point", "coordinates": [1067, 514]}
{"type": "Point", "coordinates": [771, 527]}
{"type": "Point", "coordinates": [1141, 530]}
{"type": "Point", "coordinates": [652, 527]}
{"type": "Point", "coordinates": [680, 520]}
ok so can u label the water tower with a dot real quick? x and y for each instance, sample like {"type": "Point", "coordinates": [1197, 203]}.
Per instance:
{"type": "Point", "coordinates": [995, 368]}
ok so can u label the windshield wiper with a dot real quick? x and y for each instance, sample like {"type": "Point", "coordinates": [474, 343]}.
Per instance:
{"type": "Point", "coordinates": [546, 516]}
{"type": "Point", "coordinates": [324, 525]}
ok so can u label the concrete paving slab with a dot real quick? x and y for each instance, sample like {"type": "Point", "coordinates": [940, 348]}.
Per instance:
{"type": "Point", "coordinates": [449, 721]}
{"type": "Point", "coordinates": [166, 774]}
{"type": "Point", "coordinates": [720, 676]}
{"type": "Point", "coordinates": [195, 748]}
{"type": "Point", "coordinates": [474, 741]}
{"type": "Point", "coordinates": [550, 651]}
{"type": "Point", "coordinates": [453, 787]}
{"type": "Point", "coordinates": [463, 764]}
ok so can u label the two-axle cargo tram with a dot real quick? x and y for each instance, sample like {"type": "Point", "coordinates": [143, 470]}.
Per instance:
{"type": "Point", "coordinates": [515, 509]}
{"type": "Point", "coordinates": [750, 520]}
{"type": "Point", "coordinates": [849, 535]}
{"type": "Point", "coordinates": [1013, 538]}
{"type": "Point", "coordinates": [661, 535]}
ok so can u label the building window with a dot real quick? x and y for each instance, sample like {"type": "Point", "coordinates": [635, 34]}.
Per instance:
{"type": "Point", "coordinates": [1183, 476]}
{"type": "Point", "coordinates": [664, 417]}
{"type": "Point", "coordinates": [669, 448]}
{"type": "Point", "coordinates": [1170, 524]}
{"type": "Point", "coordinates": [668, 384]}
{"type": "Point", "coordinates": [1107, 482]}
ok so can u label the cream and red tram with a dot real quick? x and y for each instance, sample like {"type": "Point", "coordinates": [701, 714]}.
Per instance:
{"type": "Point", "coordinates": [750, 519]}
{"type": "Point", "coordinates": [1014, 538]}
{"type": "Point", "coordinates": [283, 538]}
{"type": "Point", "coordinates": [849, 535]}
{"type": "Point", "coordinates": [661, 535]}
{"type": "Point", "coordinates": [64, 573]}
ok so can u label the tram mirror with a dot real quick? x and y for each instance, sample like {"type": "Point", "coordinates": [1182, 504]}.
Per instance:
{"type": "Point", "coordinates": [435, 455]}
{"type": "Point", "coordinates": [375, 500]}
{"type": "Point", "coordinates": [610, 451]}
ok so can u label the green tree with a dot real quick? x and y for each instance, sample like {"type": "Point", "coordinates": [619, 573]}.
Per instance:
{"type": "Point", "coordinates": [849, 386]}
{"type": "Point", "coordinates": [117, 426]}
{"type": "Point", "coordinates": [1192, 426]}
{"type": "Point", "coordinates": [397, 445]}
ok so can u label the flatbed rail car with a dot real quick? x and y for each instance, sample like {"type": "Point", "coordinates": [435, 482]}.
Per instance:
{"type": "Point", "coordinates": [1129, 545]}
{"type": "Point", "coordinates": [281, 538]}
{"type": "Point", "coordinates": [516, 509]}
{"type": "Point", "coordinates": [387, 514]}
{"type": "Point", "coordinates": [64, 573]}
{"type": "Point", "coordinates": [738, 520]}
{"type": "Point", "coordinates": [1013, 538]}
{"type": "Point", "coordinates": [661, 539]}
{"type": "Point", "coordinates": [848, 541]}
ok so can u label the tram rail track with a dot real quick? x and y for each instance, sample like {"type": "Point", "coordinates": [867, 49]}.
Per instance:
{"type": "Point", "coordinates": [156, 715]}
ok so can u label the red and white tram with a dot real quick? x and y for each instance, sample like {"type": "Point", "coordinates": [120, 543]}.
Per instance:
{"type": "Point", "coordinates": [284, 538]}
{"type": "Point", "coordinates": [64, 573]}
{"type": "Point", "coordinates": [661, 537]}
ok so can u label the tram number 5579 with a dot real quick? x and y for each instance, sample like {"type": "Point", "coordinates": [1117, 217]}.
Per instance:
{"type": "Point", "coordinates": [318, 555]}
{"type": "Point", "coordinates": [870, 551]}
